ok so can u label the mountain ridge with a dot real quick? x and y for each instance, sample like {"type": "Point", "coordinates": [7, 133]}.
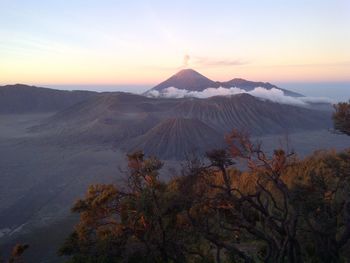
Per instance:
{"type": "Point", "coordinates": [128, 121]}
{"type": "Point", "coordinates": [21, 98]}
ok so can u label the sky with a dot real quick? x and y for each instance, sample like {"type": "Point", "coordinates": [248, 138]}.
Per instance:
{"type": "Point", "coordinates": [111, 42]}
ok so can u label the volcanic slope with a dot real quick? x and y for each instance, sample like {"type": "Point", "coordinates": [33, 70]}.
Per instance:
{"type": "Point", "coordinates": [124, 120]}
{"type": "Point", "coordinates": [176, 138]}
{"type": "Point", "coordinates": [256, 116]}
{"type": "Point", "coordinates": [187, 79]}
{"type": "Point", "coordinates": [106, 118]}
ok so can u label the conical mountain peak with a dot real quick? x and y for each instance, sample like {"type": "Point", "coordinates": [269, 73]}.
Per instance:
{"type": "Point", "coordinates": [189, 73]}
{"type": "Point", "coordinates": [187, 79]}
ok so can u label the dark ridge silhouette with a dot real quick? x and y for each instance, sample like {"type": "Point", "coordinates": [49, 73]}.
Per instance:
{"type": "Point", "coordinates": [21, 98]}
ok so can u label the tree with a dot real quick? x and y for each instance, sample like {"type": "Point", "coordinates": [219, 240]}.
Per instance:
{"type": "Point", "coordinates": [140, 222]}
{"type": "Point", "coordinates": [321, 190]}
{"type": "Point", "coordinates": [238, 209]}
{"type": "Point", "coordinates": [341, 117]}
{"type": "Point", "coordinates": [17, 254]}
{"type": "Point", "coordinates": [279, 209]}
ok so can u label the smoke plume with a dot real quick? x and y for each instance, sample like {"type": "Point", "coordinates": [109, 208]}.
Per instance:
{"type": "Point", "coordinates": [186, 61]}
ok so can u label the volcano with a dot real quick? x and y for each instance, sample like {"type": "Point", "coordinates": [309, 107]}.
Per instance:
{"type": "Point", "coordinates": [187, 79]}
{"type": "Point", "coordinates": [192, 81]}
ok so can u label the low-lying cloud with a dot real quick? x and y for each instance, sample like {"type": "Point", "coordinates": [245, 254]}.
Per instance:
{"type": "Point", "coordinates": [274, 94]}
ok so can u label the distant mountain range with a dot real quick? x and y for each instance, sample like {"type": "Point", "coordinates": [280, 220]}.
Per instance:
{"type": "Point", "coordinates": [20, 98]}
{"type": "Point", "coordinates": [191, 80]}
{"type": "Point", "coordinates": [168, 128]}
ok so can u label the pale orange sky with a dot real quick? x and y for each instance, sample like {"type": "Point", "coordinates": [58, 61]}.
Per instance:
{"type": "Point", "coordinates": [144, 42]}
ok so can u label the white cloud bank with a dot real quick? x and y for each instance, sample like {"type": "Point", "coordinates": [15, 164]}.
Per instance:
{"type": "Point", "coordinates": [275, 95]}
